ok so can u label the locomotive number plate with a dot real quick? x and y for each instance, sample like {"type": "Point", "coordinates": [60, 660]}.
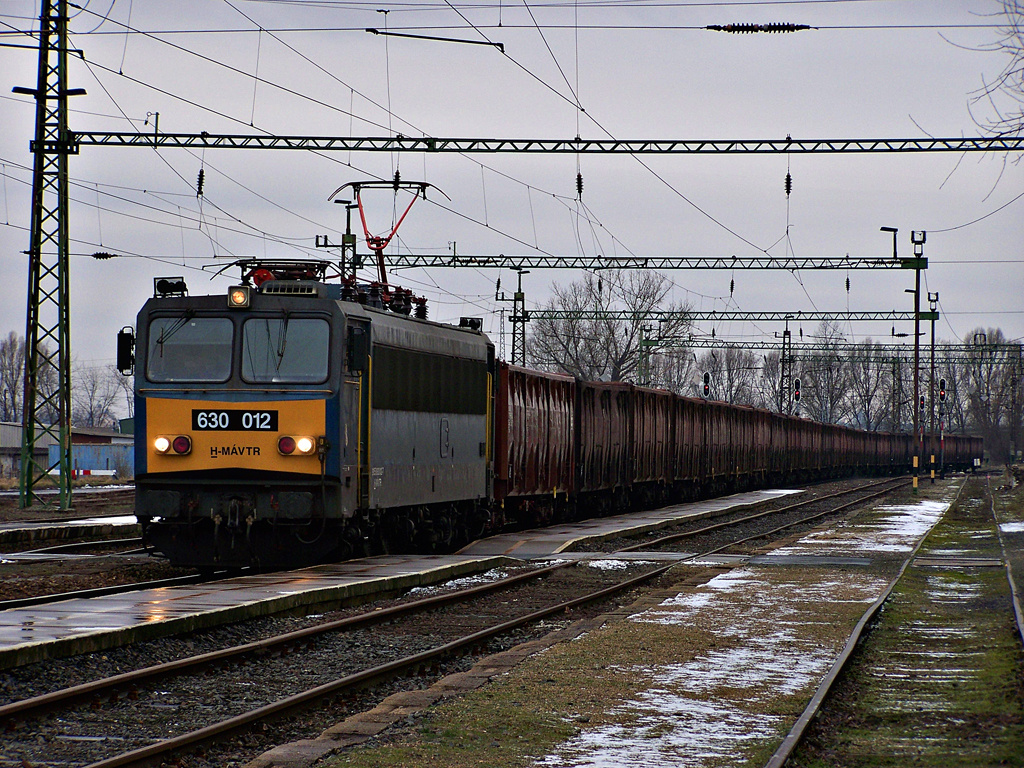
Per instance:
{"type": "Point", "coordinates": [234, 420]}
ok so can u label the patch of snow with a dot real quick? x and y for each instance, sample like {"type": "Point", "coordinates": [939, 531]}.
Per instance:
{"type": "Point", "coordinates": [120, 520]}
{"type": "Point", "coordinates": [1012, 527]}
{"type": "Point", "coordinates": [898, 530]}
{"type": "Point", "coordinates": [614, 565]}
{"type": "Point", "coordinates": [945, 589]}
{"type": "Point", "coordinates": [495, 574]}
{"type": "Point", "coordinates": [671, 723]}
{"type": "Point", "coordinates": [705, 710]}
{"type": "Point", "coordinates": [668, 730]}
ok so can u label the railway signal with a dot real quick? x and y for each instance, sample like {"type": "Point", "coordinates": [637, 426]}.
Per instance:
{"type": "Point", "coordinates": [942, 390]}
{"type": "Point", "coordinates": [707, 384]}
{"type": "Point", "coordinates": [796, 390]}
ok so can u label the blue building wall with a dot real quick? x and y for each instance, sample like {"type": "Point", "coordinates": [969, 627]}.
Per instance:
{"type": "Point", "coordinates": [100, 459]}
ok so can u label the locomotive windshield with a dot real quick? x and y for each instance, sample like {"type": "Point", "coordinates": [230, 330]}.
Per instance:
{"type": "Point", "coordinates": [187, 348]}
{"type": "Point", "coordinates": [290, 350]}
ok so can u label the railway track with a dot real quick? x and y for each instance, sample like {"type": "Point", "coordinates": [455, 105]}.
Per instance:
{"type": "Point", "coordinates": [412, 642]}
{"type": "Point", "coordinates": [360, 658]}
{"type": "Point", "coordinates": [43, 599]}
{"type": "Point", "coordinates": [790, 513]}
{"type": "Point", "coordinates": [80, 547]}
{"type": "Point", "coordinates": [930, 672]}
{"type": "Point", "coordinates": [95, 501]}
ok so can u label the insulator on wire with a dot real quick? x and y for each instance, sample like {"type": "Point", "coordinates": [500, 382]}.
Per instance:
{"type": "Point", "coordinates": [751, 28]}
{"type": "Point", "coordinates": [199, 182]}
{"type": "Point", "coordinates": [398, 178]}
{"type": "Point", "coordinates": [579, 185]}
{"type": "Point", "coordinates": [847, 283]}
{"type": "Point", "coordinates": [732, 285]}
{"type": "Point", "coordinates": [789, 183]}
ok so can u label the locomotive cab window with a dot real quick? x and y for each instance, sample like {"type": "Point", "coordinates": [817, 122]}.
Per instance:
{"type": "Point", "coordinates": [187, 348]}
{"type": "Point", "coordinates": [285, 350]}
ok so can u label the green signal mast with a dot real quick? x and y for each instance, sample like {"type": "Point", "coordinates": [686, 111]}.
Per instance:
{"type": "Point", "coordinates": [46, 417]}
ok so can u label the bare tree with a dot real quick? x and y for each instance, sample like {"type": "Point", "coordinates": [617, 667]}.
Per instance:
{"type": "Point", "coordinates": [993, 402]}
{"type": "Point", "coordinates": [826, 378]}
{"type": "Point", "coordinates": [1003, 97]}
{"type": "Point", "coordinates": [12, 380]}
{"type": "Point", "coordinates": [96, 389]}
{"type": "Point", "coordinates": [586, 344]}
{"type": "Point", "coordinates": [867, 372]}
{"type": "Point", "coordinates": [126, 386]}
{"type": "Point", "coordinates": [734, 374]}
{"type": "Point", "coordinates": [12, 376]}
{"type": "Point", "coordinates": [674, 369]}
{"type": "Point", "coordinates": [771, 389]}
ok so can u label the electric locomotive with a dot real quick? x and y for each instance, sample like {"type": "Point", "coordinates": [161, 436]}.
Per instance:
{"type": "Point", "coordinates": [291, 421]}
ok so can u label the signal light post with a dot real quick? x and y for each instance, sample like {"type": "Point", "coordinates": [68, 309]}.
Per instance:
{"type": "Point", "coordinates": [942, 424]}
{"type": "Point", "coordinates": [933, 315]}
{"type": "Point", "coordinates": [917, 263]}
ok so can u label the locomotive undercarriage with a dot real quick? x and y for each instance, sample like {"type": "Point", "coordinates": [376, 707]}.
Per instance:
{"type": "Point", "coordinates": [281, 523]}
{"type": "Point", "coordinates": [240, 522]}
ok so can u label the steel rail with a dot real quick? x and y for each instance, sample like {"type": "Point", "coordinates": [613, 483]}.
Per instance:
{"type": "Point", "coordinates": [144, 755]}
{"type": "Point", "coordinates": [808, 518]}
{"type": "Point", "coordinates": [796, 733]}
{"type": "Point", "coordinates": [1018, 612]}
{"type": "Point", "coordinates": [58, 549]}
{"type": "Point", "coordinates": [730, 523]}
{"type": "Point", "coordinates": [147, 754]}
{"type": "Point", "coordinates": [47, 701]}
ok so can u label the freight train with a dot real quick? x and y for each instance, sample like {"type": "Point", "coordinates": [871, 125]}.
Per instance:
{"type": "Point", "coordinates": [296, 420]}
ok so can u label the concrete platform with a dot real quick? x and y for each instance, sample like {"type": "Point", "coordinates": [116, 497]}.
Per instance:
{"type": "Point", "coordinates": [544, 542]}
{"type": "Point", "coordinates": [80, 626]}
{"type": "Point", "coordinates": [57, 530]}
{"type": "Point", "coordinates": [76, 626]}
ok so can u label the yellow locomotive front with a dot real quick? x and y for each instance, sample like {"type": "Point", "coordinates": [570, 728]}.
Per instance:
{"type": "Point", "coordinates": [240, 446]}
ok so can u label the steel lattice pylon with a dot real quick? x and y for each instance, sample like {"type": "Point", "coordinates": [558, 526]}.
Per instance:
{"type": "Point", "coordinates": [46, 416]}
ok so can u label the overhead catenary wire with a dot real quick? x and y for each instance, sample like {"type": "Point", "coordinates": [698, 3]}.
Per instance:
{"type": "Point", "coordinates": [485, 222]}
{"type": "Point", "coordinates": [434, 202]}
{"type": "Point", "coordinates": [317, 101]}
{"type": "Point", "coordinates": [575, 102]}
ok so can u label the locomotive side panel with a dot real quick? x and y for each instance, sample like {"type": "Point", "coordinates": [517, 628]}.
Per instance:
{"type": "Point", "coordinates": [428, 427]}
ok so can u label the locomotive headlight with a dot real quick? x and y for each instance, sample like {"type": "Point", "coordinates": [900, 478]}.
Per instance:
{"type": "Point", "coordinates": [302, 446]}
{"type": "Point", "coordinates": [180, 445]}
{"type": "Point", "coordinates": [238, 296]}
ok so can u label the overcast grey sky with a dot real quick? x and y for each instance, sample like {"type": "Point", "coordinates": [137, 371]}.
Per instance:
{"type": "Point", "coordinates": [872, 68]}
